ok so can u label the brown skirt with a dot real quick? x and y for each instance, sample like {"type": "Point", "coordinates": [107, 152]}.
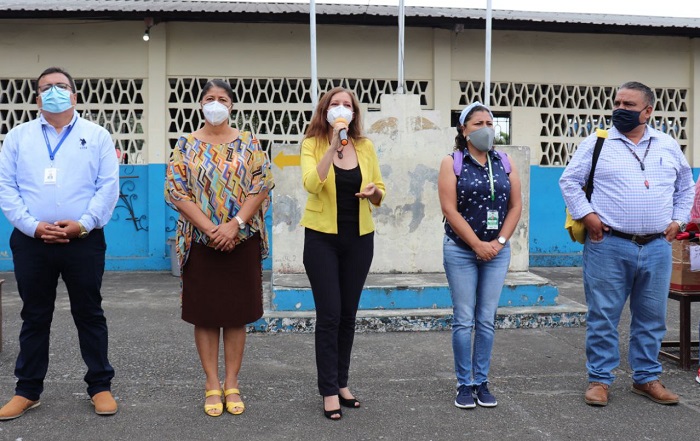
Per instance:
{"type": "Point", "coordinates": [223, 289]}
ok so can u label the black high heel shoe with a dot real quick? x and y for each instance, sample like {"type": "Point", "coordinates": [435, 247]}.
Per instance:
{"type": "Point", "coordinates": [329, 414]}
{"type": "Point", "coordinates": [349, 402]}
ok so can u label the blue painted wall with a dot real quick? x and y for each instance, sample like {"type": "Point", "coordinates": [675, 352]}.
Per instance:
{"type": "Point", "coordinates": [550, 244]}
{"type": "Point", "coordinates": [140, 226]}
{"type": "Point", "coordinates": [142, 222]}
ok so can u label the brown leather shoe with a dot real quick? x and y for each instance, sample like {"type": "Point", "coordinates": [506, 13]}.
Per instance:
{"type": "Point", "coordinates": [656, 392]}
{"type": "Point", "coordinates": [16, 407]}
{"type": "Point", "coordinates": [104, 403]}
{"type": "Point", "coordinates": [597, 394]}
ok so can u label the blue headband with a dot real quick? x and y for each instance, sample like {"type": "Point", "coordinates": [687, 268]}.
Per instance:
{"type": "Point", "coordinates": [465, 112]}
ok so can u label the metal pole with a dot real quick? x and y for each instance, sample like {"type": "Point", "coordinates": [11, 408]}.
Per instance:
{"type": "Point", "coordinates": [314, 73]}
{"type": "Point", "coordinates": [487, 57]}
{"type": "Point", "coordinates": [399, 89]}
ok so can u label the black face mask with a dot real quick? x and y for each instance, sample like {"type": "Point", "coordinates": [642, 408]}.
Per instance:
{"type": "Point", "coordinates": [625, 120]}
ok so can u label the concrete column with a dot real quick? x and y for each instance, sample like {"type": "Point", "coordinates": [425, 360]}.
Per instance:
{"type": "Point", "coordinates": [693, 154]}
{"type": "Point", "coordinates": [157, 148]}
{"type": "Point", "coordinates": [442, 75]}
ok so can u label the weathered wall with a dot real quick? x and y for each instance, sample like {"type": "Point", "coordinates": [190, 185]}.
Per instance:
{"type": "Point", "coordinates": [410, 145]}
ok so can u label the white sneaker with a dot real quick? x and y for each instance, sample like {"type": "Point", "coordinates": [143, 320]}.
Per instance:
{"type": "Point", "coordinates": [698, 377]}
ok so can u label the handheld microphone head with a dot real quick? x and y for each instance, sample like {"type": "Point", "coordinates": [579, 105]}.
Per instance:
{"type": "Point", "coordinates": [342, 133]}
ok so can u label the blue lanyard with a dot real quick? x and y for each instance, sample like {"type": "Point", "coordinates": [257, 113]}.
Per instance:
{"type": "Point", "coordinates": [52, 153]}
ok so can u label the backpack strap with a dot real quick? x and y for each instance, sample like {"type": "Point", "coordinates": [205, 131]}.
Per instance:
{"type": "Point", "coordinates": [458, 157]}
{"type": "Point", "coordinates": [505, 161]}
{"type": "Point", "coordinates": [602, 135]}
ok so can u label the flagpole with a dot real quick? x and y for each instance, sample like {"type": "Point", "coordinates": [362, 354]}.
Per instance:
{"type": "Point", "coordinates": [487, 57]}
{"type": "Point", "coordinates": [400, 89]}
{"type": "Point", "coordinates": [314, 73]}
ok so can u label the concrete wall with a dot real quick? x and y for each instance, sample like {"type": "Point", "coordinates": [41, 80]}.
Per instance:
{"type": "Point", "coordinates": [257, 50]}
{"type": "Point", "coordinates": [409, 227]}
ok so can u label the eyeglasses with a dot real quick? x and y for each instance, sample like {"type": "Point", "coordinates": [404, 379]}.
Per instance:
{"type": "Point", "coordinates": [62, 86]}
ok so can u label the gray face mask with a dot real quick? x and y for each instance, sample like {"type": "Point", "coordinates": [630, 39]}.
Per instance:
{"type": "Point", "coordinates": [482, 138]}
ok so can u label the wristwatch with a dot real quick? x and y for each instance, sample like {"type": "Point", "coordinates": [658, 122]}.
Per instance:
{"type": "Point", "coordinates": [241, 224]}
{"type": "Point", "coordinates": [83, 232]}
{"type": "Point", "coordinates": [681, 225]}
{"type": "Point", "coordinates": [502, 240]}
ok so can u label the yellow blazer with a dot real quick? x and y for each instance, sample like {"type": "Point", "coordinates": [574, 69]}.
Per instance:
{"type": "Point", "coordinates": [321, 212]}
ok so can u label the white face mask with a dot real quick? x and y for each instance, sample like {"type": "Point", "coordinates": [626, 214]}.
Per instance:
{"type": "Point", "coordinates": [339, 112]}
{"type": "Point", "coordinates": [215, 112]}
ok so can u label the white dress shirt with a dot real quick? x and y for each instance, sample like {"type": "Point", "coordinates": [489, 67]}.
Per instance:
{"type": "Point", "coordinates": [81, 183]}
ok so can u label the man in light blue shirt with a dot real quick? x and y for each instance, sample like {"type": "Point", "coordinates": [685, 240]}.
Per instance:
{"type": "Point", "coordinates": [642, 194]}
{"type": "Point", "coordinates": [59, 183]}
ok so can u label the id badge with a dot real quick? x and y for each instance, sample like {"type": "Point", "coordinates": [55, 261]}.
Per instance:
{"type": "Point", "coordinates": [492, 220]}
{"type": "Point", "coordinates": [50, 176]}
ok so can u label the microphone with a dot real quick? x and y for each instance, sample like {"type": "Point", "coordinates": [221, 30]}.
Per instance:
{"type": "Point", "coordinates": [343, 134]}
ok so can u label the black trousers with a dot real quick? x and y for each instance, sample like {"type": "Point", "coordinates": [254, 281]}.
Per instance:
{"type": "Point", "coordinates": [337, 267]}
{"type": "Point", "coordinates": [80, 263]}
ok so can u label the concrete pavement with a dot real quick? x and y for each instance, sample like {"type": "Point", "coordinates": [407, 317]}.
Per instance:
{"type": "Point", "coordinates": [405, 381]}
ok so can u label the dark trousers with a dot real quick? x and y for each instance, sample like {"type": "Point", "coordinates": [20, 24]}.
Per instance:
{"type": "Point", "coordinates": [38, 265]}
{"type": "Point", "coordinates": [337, 267]}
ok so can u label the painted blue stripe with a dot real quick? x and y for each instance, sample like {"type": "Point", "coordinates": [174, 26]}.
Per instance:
{"type": "Point", "coordinates": [301, 299]}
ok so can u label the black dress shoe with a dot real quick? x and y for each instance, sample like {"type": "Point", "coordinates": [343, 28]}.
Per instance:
{"type": "Point", "coordinates": [349, 402]}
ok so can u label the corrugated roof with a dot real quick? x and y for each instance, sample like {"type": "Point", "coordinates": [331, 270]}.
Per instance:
{"type": "Point", "coordinates": [369, 14]}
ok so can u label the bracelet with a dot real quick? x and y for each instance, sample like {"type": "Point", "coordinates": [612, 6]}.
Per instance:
{"type": "Point", "coordinates": [241, 224]}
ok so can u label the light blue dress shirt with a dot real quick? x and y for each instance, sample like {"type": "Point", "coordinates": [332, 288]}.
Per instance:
{"type": "Point", "coordinates": [620, 196]}
{"type": "Point", "coordinates": [86, 186]}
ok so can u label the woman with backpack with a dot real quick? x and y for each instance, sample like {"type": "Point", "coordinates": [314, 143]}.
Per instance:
{"type": "Point", "coordinates": [480, 197]}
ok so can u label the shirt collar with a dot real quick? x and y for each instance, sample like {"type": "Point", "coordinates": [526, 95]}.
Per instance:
{"type": "Point", "coordinates": [649, 132]}
{"type": "Point", "coordinates": [43, 121]}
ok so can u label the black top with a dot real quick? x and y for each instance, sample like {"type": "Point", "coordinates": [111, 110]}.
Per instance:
{"type": "Point", "coordinates": [347, 183]}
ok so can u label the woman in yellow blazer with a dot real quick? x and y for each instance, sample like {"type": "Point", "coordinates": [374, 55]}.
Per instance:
{"type": "Point", "coordinates": [340, 171]}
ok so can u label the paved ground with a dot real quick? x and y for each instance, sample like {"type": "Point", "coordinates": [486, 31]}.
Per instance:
{"type": "Point", "coordinates": [404, 379]}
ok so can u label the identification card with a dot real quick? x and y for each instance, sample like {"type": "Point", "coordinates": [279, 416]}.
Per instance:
{"type": "Point", "coordinates": [50, 176]}
{"type": "Point", "coordinates": [492, 220]}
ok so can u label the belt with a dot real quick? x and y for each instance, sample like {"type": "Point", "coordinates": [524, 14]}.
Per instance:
{"type": "Point", "coordinates": [639, 239]}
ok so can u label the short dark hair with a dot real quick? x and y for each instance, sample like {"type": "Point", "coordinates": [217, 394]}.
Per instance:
{"type": "Point", "coordinates": [636, 85]}
{"type": "Point", "coordinates": [55, 69]}
{"type": "Point", "coordinates": [216, 83]}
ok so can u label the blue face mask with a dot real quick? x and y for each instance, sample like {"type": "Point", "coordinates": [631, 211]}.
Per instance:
{"type": "Point", "coordinates": [625, 120]}
{"type": "Point", "coordinates": [56, 100]}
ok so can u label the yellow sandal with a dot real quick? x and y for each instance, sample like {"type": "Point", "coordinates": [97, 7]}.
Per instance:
{"type": "Point", "coordinates": [234, 407]}
{"type": "Point", "coordinates": [213, 410]}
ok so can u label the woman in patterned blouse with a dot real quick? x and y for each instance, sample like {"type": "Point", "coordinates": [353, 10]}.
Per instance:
{"type": "Point", "coordinates": [482, 203]}
{"type": "Point", "coordinates": [218, 179]}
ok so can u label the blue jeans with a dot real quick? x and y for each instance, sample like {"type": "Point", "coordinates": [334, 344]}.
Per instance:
{"type": "Point", "coordinates": [475, 286]}
{"type": "Point", "coordinates": [614, 269]}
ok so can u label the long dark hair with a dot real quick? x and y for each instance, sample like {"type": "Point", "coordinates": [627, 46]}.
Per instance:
{"type": "Point", "coordinates": [460, 139]}
{"type": "Point", "coordinates": [319, 127]}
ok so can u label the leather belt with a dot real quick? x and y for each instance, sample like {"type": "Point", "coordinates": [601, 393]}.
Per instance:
{"type": "Point", "coordinates": [639, 239]}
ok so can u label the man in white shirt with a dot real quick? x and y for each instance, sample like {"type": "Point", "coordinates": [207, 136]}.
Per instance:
{"type": "Point", "coordinates": [59, 183]}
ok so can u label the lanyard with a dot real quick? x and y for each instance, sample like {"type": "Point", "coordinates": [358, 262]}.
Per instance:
{"type": "Point", "coordinates": [646, 152]}
{"type": "Point", "coordinates": [493, 192]}
{"type": "Point", "coordinates": [641, 161]}
{"type": "Point", "coordinates": [52, 153]}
